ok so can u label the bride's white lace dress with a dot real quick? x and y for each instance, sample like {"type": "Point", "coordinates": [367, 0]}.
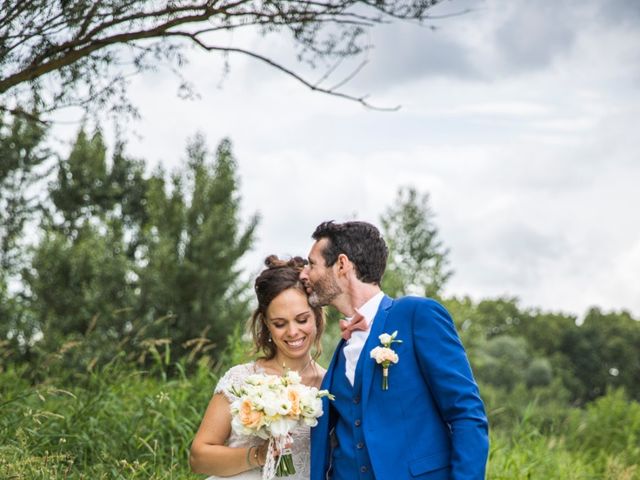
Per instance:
{"type": "Point", "coordinates": [300, 449]}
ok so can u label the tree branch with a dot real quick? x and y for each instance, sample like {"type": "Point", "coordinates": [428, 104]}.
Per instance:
{"type": "Point", "coordinates": [72, 43]}
{"type": "Point", "coordinates": [315, 87]}
{"type": "Point", "coordinates": [36, 70]}
{"type": "Point", "coordinates": [19, 112]}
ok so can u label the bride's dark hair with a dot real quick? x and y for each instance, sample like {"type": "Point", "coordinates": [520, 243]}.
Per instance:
{"type": "Point", "coordinates": [280, 275]}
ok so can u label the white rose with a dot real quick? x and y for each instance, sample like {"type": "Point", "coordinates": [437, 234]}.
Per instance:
{"type": "Point", "coordinates": [274, 404]}
{"type": "Point", "coordinates": [293, 377]}
{"type": "Point", "coordinates": [282, 427]}
{"type": "Point", "coordinates": [311, 407]}
{"type": "Point", "coordinates": [385, 338]}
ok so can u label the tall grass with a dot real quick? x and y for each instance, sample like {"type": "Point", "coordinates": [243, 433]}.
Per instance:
{"type": "Point", "coordinates": [117, 422]}
{"type": "Point", "coordinates": [599, 442]}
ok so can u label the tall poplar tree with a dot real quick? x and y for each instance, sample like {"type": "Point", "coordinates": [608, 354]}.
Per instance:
{"type": "Point", "coordinates": [418, 261]}
{"type": "Point", "coordinates": [194, 239]}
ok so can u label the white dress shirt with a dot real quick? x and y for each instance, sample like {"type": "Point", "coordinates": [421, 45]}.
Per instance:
{"type": "Point", "coordinates": [354, 345]}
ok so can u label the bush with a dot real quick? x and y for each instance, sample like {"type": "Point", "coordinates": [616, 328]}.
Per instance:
{"type": "Point", "coordinates": [608, 426]}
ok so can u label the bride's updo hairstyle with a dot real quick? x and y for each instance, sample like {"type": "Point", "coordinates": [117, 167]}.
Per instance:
{"type": "Point", "coordinates": [280, 275]}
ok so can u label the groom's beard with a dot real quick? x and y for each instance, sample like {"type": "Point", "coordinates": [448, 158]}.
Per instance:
{"type": "Point", "coordinates": [324, 291]}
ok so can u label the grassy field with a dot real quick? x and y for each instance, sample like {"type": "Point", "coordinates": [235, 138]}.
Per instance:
{"type": "Point", "coordinates": [119, 423]}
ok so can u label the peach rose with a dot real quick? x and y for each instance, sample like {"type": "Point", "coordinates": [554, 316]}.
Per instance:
{"type": "Point", "coordinates": [249, 417]}
{"type": "Point", "coordinates": [294, 398]}
{"type": "Point", "coordinates": [383, 354]}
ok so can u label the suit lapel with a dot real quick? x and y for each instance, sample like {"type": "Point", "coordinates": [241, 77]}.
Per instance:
{"type": "Point", "coordinates": [377, 328]}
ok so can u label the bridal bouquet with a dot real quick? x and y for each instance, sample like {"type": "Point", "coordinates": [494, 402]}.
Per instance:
{"type": "Point", "coordinates": [270, 407]}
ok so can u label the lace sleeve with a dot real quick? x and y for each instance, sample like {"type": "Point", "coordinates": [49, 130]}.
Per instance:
{"type": "Point", "coordinates": [233, 377]}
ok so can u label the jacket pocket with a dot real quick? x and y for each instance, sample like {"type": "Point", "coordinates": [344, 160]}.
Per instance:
{"type": "Point", "coordinates": [432, 462]}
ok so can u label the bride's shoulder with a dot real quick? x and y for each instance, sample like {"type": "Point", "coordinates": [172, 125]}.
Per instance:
{"type": "Point", "coordinates": [240, 371]}
{"type": "Point", "coordinates": [249, 367]}
{"type": "Point", "coordinates": [234, 376]}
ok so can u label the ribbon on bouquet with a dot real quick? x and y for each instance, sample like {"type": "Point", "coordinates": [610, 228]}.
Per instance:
{"type": "Point", "coordinates": [276, 449]}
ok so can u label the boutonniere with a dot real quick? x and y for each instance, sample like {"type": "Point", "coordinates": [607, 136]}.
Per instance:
{"type": "Point", "coordinates": [385, 355]}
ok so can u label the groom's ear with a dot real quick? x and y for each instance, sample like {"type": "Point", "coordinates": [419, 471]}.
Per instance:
{"type": "Point", "coordinates": [344, 264]}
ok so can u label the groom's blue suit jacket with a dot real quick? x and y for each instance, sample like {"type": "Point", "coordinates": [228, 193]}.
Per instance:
{"type": "Point", "coordinates": [430, 423]}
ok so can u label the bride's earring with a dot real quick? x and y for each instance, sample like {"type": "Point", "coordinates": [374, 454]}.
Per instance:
{"type": "Point", "coordinates": [270, 339]}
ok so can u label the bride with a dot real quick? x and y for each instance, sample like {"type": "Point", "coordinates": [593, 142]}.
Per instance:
{"type": "Point", "coordinates": [284, 329]}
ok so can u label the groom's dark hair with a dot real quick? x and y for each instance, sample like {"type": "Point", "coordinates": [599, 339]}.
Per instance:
{"type": "Point", "coordinates": [361, 242]}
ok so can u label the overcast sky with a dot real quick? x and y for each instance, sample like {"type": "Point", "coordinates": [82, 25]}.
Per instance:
{"type": "Point", "coordinates": [520, 119]}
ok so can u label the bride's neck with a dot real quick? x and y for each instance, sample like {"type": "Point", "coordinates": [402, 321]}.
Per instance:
{"type": "Point", "coordinates": [300, 365]}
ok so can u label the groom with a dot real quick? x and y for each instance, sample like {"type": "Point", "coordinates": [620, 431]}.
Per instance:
{"type": "Point", "coordinates": [430, 423]}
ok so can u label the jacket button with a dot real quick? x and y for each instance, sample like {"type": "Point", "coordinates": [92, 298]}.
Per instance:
{"type": "Point", "coordinates": [363, 469]}
{"type": "Point", "coordinates": [360, 445]}
{"type": "Point", "coordinates": [357, 423]}
{"type": "Point", "coordinates": [356, 400]}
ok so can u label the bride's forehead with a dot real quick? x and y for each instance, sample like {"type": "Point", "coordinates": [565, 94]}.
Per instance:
{"type": "Point", "coordinates": [291, 301]}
